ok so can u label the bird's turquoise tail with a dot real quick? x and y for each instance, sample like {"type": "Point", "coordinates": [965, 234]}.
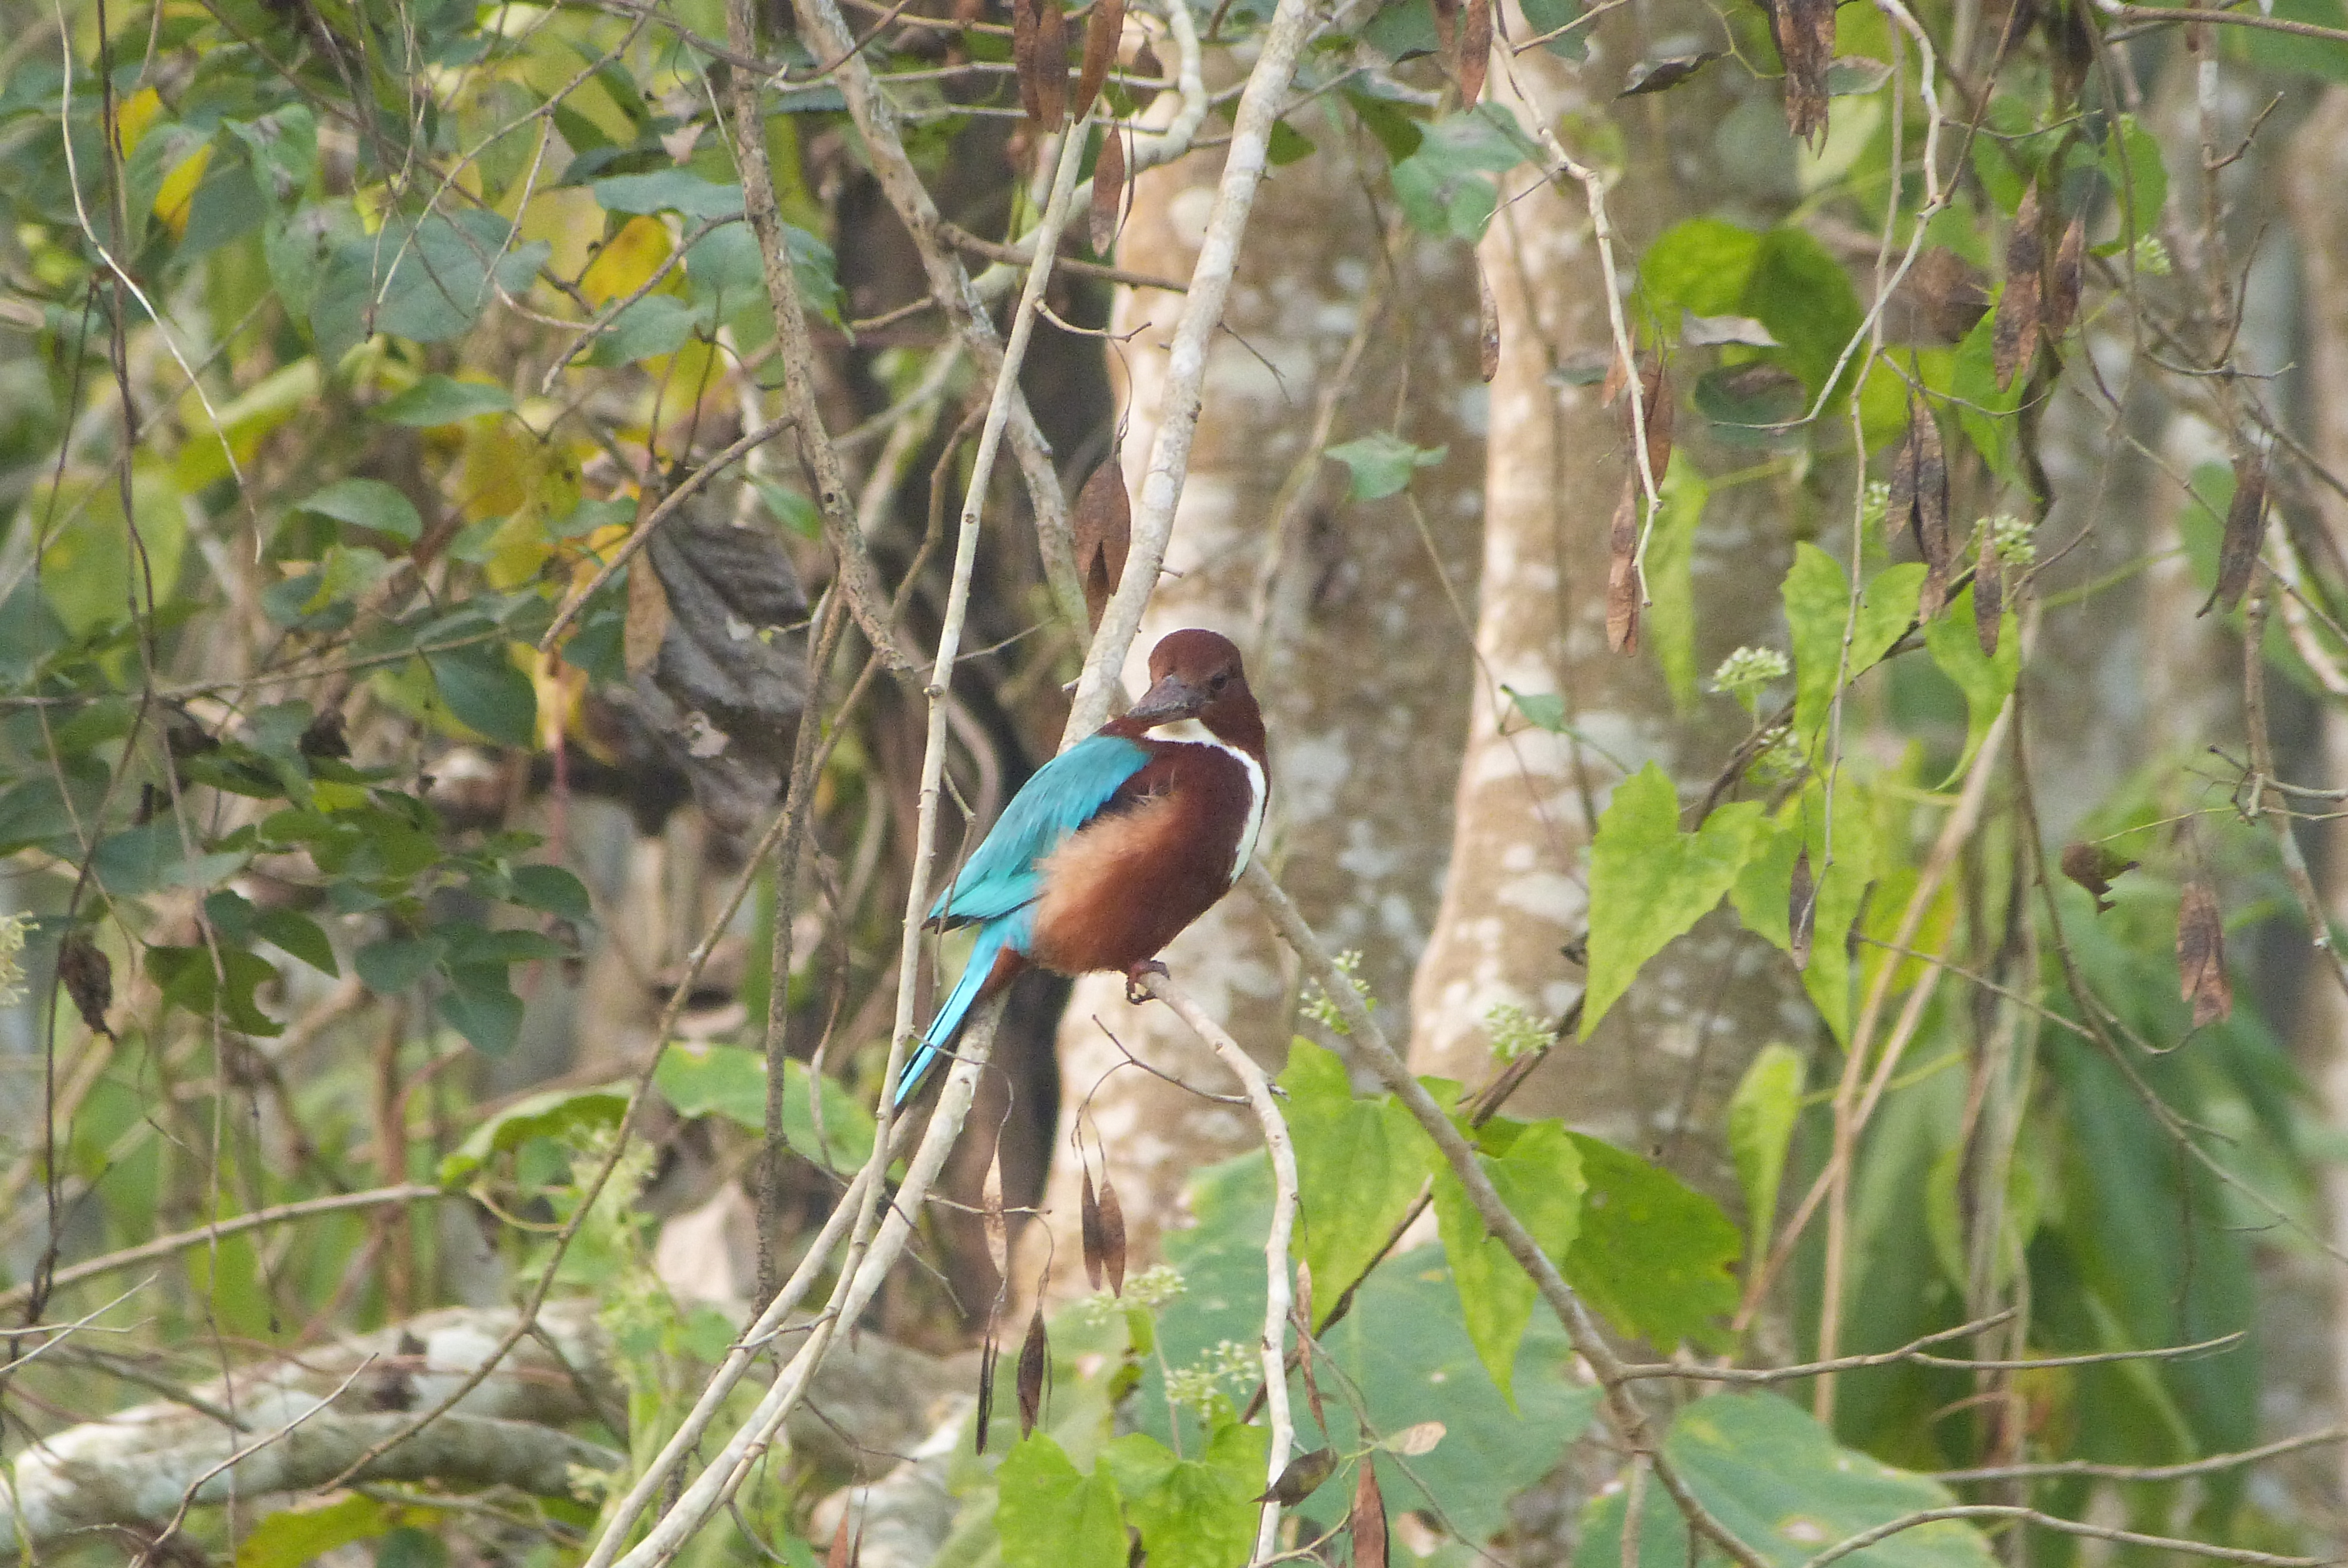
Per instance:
{"type": "Point", "coordinates": [993, 937]}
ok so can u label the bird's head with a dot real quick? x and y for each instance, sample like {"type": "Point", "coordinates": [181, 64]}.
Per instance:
{"type": "Point", "coordinates": [1196, 675]}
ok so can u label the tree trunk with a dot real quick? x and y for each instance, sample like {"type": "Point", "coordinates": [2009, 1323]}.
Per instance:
{"type": "Point", "coordinates": [1352, 643]}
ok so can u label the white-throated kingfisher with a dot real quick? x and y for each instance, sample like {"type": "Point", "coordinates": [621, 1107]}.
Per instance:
{"type": "Point", "coordinates": [1116, 844]}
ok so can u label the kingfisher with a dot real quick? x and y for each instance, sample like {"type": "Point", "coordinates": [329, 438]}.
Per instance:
{"type": "Point", "coordinates": [1116, 844]}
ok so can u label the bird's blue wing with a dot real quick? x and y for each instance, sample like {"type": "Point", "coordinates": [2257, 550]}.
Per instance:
{"type": "Point", "coordinates": [1060, 798]}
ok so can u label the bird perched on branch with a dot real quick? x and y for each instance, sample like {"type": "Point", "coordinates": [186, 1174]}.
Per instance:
{"type": "Point", "coordinates": [1116, 843]}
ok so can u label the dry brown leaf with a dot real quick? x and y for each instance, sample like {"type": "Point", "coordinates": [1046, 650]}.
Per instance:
{"type": "Point", "coordinates": [1112, 1234]}
{"type": "Point", "coordinates": [1300, 1480]}
{"type": "Point", "coordinates": [1805, 36]}
{"type": "Point", "coordinates": [1088, 1220]}
{"type": "Point", "coordinates": [2245, 531]}
{"type": "Point", "coordinates": [1488, 327]}
{"type": "Point", "coordinates": [1931, 517]}
{"type": "Point", "coordinates": [1622, 571]}
{"type": "Point", "coordinates": [1414, 1441]}
{"type": "Point", "coordinates": [1655, 413]}
{"type": "Point", "coordinates": [1989, 594]}
{"type": "Point", "coordinates": [1661, 76]}
{"type": "Point", "coordinates": [1034, 1362]}
{"type": "Point", "coordinates": [1312, 1385]}
{"type": "Point", "coordinates": [2093, 867]}
{"type": "Point", "coordinates": [1102, 523]}
{"type": "Point", "coordinates": [2062, 279]}
{"type": "Point", "coordinates": [1952, 292]}
{"type": "Point", "coordinates": [2201, 954]}
{"type": "Point", "coordinates": [1475, 50]}
{"type": "Point", "coordinates": [1446, 23]}
{"type": "Point", "coordinates": [1026, 20]}
{"type": "Point", "coordinates": [1108, 190]}
{"type": "Point", "coordinates": [845, 1549]}
{"type": "Point", "coordinates": [1051, 65]}
{"type": "Point", "coordinates": [1365, 1524]}
{"type": "Point", "coordinates": [1801, 909]}
{"type": "Point", "coordinates": [1102, 29]}
{"type": "Point", "coordinates": [646, 627]}
{"type": "Point", "coordinates": [2014, 338]}
{"type": "Point", "coordinates": [88, 975]}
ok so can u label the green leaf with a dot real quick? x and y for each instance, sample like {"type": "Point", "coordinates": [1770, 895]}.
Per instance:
{"type": "Point", "coordinates": [1444, 186]}
{"type": "Point", "coordinates": [366, 504]}
{"type": "Point", "coordinates": [1381, 463]}
{"type": "Point", "coordinates": [481, 1005]}
{"type": "Point", "coordinates": [1984, 410]}
{"type": "Point", "coordinates": [1781, 1485]}
{"type": "Point", "coordinates": [654, 325]}
{"type": "Point", "coordinates": [1818, 609]}
{"type": "Point", "coordinates": [1764, 890]}
{"type": "Point", "coordinates": [1700, 265]}
{"type": "Point", "coordinates": [1670, 554]}
{"type": "Point", "coordinates": [2131, 164]}
{"type": "Point", "coordinates": [426, 279]}
{"type": "Point", "coordinates": [441, 400]}
{"type": "Point", "coordinates": [1538, 1175]}
{"type": "Point", "coordinates": [1051, 1517]}
{"type": "Point", "coordinates": [551, 1114]}
{"type": "Point", "coordinates": [1803, 295]}
{"type": "Point", "coordinates": [1654, 1254]}
{"type": "Point", "coordinates": [678, 190]}
{"type": "Point", "coordinates": [1403, 1343]}
{"type": "Point", "coordinates": [1760, 1129]}
{"type": "Point", "coordinates": [487, 694]}
{"type": "Point", "coordinates": [295, 1537]}
{"type": "Point", "coordinates": [1546, 16]}
{"type": "Point", "coordinates": [297, 935]}
{"type": "Point", "coordinates": [1986, 681]}
{"type": "Point", "coordinates": [153, 855]}
{"type": "Point", "coordinates": [728, 1080]}
{"type": "Point", "coordinates": [1192, 1513]}
{"type": "Point", "coordinates": [391, 964]}
{"type": "Point", "coordinates": [1649, 882]}
{"type": "Point", "coordinates": [187, 979]}
{"type": "Point", "coordinates": [553, 889]}
{"type": "Point", "coordinates": [1359, 1164]}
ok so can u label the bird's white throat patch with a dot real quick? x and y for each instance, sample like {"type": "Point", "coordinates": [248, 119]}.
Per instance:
{"type": "Point", "coordinates": [1190, 732]}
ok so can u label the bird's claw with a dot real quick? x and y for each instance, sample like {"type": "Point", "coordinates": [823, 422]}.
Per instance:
{"type": "Point", "coordinates": [1136, 981]}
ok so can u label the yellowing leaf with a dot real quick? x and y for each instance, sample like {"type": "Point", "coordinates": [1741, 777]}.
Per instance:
{"type": "Point", "coordinates": [179, 188]}
{"type": "Point", "coordinates": [622, 266]}
{"type": "Point", "coordinates": [134, 115]}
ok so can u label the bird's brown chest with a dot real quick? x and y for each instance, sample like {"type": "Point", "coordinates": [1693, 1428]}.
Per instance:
{"type": "Point", "coordinates": [1125, 885]}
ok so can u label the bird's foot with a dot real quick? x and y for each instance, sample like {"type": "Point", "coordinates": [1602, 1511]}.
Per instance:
{"type": "Point", "coordinates": [1136, 980]}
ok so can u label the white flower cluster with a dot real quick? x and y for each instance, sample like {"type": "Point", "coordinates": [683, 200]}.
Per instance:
{"type": "Point", "coordinates": [1317, 1004]}
{"type": "Point", "coordinates": [2150, 257]}
{"type": "Point", "coordinates": [1780, 758]}
{"type": "Point", "coordinates": [2011, 537]}
{"type": "Point", "coordinates": [1230, 1366]}
{"type": "Point", "coordinates": [1875, 500]}
{"type": "Point", "coordinates": [1515, 1032]}
{"type": "Point", "coordinates": [1742, 673]}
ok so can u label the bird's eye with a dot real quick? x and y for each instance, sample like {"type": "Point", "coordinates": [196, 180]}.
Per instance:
{"type": "Point", "coordinates": [1219, 682]}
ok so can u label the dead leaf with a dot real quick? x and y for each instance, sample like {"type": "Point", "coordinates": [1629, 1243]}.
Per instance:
{"type": "Point", "coordinates": [1929, 519]}
{"type": "Point", "coordinates": [1102, 29]}
{"type": "Point", "coordinates": [2093, 867]}
{"type": "Point", "coordinates": [1301, 1306]}
{"type": "Point", "coordinates": [1026, 23]}
{"type": "Point", "coordinates": [1108, 190]}
{"type": "Point", "coordinates": [2013, 339]}
{"type": "Point", "coordinates": [1102, 523]}
{"type": "Point", "coordinates": [1112, 1234]}
{"type": "Point", "coordinates": [1365, 1526]}
{"type": "Point", "coordinates": [646, 627]}
{"type": "Point", "coordinates": [88, 975]}
{"type": "Point", "coordinates": [1051, 65]}
{"type": "Point", "coordinates": [1475, 50]}
{"type": "Point", "coordinates": [1034, 1362]}
{"type": "Point", "coordinates": [1710, 332]}
{"type": "Point", "coordinates": [1622, 571]}
{"type": "Point", "coordinates": [1951, 294]}
{"type": "Point", "coordinates": [1989, 594]}
{"type": "Point", "coordinates": [2246, 530]}
{"type": "Point", "coordinates": [1089, 1225]}
{"type": "Point", "coordinates": [1312, 1387]}
{"type": "Point", "coordinates": [1300, 1480]}
{"type": "Point", "coordinates": [2201, 954]}
{"type": "Point", "coordinates": [1801, 909]}
{"type": "Point", "coordinates": [1487, 324]}
{"type": "Point", "coordinates": [1657, 76]}
{"type": "Point", "coordinates": [1414, 1441]}
{"type": "Point", "coordinates": [2062, 279]}
{"type": "Point", "coordinates": [324, 737]}
{"type": "Point", "coordinates": [845, 1549]}
{"type": "Point", "coordinates": [1446, 23]}
{"type": "Point", "coordinates": [1804, 30]}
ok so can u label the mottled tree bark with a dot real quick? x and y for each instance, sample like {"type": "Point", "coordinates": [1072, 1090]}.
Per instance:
{"type": "Point", "coordinates": [1517, 893]}
{"type": "Point", "coordinates": [1354, 648]}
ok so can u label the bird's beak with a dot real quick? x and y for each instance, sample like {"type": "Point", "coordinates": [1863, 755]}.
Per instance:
{"type": "Point", "coordinates": [1170, 698]}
